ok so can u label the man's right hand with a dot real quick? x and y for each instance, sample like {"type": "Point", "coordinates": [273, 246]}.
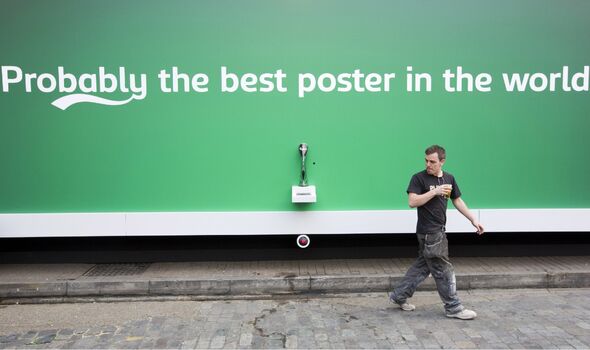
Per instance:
{"type": "Point", "coordinates": [418, 200]}
{"type": "Point", "coordinates": [443, 190]}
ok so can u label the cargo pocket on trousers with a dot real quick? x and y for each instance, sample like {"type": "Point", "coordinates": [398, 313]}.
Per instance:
{"type": "Point", "coordinates": [435, 245]}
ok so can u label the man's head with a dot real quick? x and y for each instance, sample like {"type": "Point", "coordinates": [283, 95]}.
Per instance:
{"type": "Point", "coordinates": [435, 159]}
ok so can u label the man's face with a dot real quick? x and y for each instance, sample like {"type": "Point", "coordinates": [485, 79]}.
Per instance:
{"type": "Point", "coordinates": [433, 164]}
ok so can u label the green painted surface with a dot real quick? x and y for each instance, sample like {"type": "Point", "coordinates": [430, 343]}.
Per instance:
{"type": "Point", "coordinates": [238, 152]}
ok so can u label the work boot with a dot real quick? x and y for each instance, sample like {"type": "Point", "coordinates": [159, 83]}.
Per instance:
{"type": "Point", "coordinates": [464, 314]}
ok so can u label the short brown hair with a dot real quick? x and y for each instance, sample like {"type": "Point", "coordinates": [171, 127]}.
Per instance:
{"type": "Point", "coordinates": [442, 154]}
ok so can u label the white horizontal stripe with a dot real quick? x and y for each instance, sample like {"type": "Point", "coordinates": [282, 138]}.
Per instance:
{"type": "Point", "coordinates": [62, 225]}
{"type": "Point", "coordinates": [306, 222]}
{"type": "Point", "coordinates": [536, 220]}
{"type": "Point", "coordinates": [271, 223]}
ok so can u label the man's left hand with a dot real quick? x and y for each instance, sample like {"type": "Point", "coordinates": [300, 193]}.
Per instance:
{"type": "Point", "coordinates": [479, 227]}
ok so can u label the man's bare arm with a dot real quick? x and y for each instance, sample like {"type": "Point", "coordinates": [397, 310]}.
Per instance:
{"type": "Point", "coordinates": [462, 208]}
{"type": "Point", "coordinates": [418, 200]}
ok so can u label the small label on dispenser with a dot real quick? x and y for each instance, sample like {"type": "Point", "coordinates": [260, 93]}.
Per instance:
{"type": "Point", "coordinates": [303, 194]}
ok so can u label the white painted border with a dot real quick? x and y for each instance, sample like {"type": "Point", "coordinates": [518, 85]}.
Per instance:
{"type": "Point", "coordinates": [536, 220]}
{"type": "Point", "coordinates": [280, 223]}
{"type": "Point", "coordinates": [62, 225]}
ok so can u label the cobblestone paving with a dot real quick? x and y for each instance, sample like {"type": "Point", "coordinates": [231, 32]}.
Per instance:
{"type": "Point", "coordinates": [507, 319]}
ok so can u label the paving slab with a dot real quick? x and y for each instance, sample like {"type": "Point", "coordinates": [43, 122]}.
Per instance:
{"type": "Point", "coordinates": [233, 278]}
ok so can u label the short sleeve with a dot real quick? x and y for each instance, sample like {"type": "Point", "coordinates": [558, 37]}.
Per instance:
{"type": "Point", "coordinates": [415, 185]}
{"type": "Point", "coordinates": [455, 192]}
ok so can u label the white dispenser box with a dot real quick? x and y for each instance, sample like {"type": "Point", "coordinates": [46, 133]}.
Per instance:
{"type": "Point", "coordinates": [303, 194]}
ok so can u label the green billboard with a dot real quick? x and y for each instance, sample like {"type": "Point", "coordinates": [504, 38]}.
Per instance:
{"type": "Point", "coordinates": [199, 106]}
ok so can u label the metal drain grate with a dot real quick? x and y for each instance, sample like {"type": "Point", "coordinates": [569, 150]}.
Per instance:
{"type": "Point", "coordinates": [116, 270]}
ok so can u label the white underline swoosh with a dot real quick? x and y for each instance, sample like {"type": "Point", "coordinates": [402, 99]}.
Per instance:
{"type": "Point", "coordinates": [66, 101]}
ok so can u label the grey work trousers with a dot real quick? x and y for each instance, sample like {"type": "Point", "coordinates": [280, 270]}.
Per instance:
{"type": "Point", "coordinates": [433, 258]}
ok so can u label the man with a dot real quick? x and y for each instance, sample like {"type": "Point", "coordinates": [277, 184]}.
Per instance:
{"type": "Point", "coordinates": [429, 191]}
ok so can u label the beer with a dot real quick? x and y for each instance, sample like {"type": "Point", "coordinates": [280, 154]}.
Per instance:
{"type": "Point", "coordinates": [447, 190]}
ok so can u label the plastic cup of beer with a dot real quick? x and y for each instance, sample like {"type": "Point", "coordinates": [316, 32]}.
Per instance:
{"type": "Point", "coordinates": [449, 188]}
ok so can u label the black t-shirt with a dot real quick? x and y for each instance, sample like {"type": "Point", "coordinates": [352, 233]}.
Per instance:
{"type": "Point", "coordinates": [432, 216]}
